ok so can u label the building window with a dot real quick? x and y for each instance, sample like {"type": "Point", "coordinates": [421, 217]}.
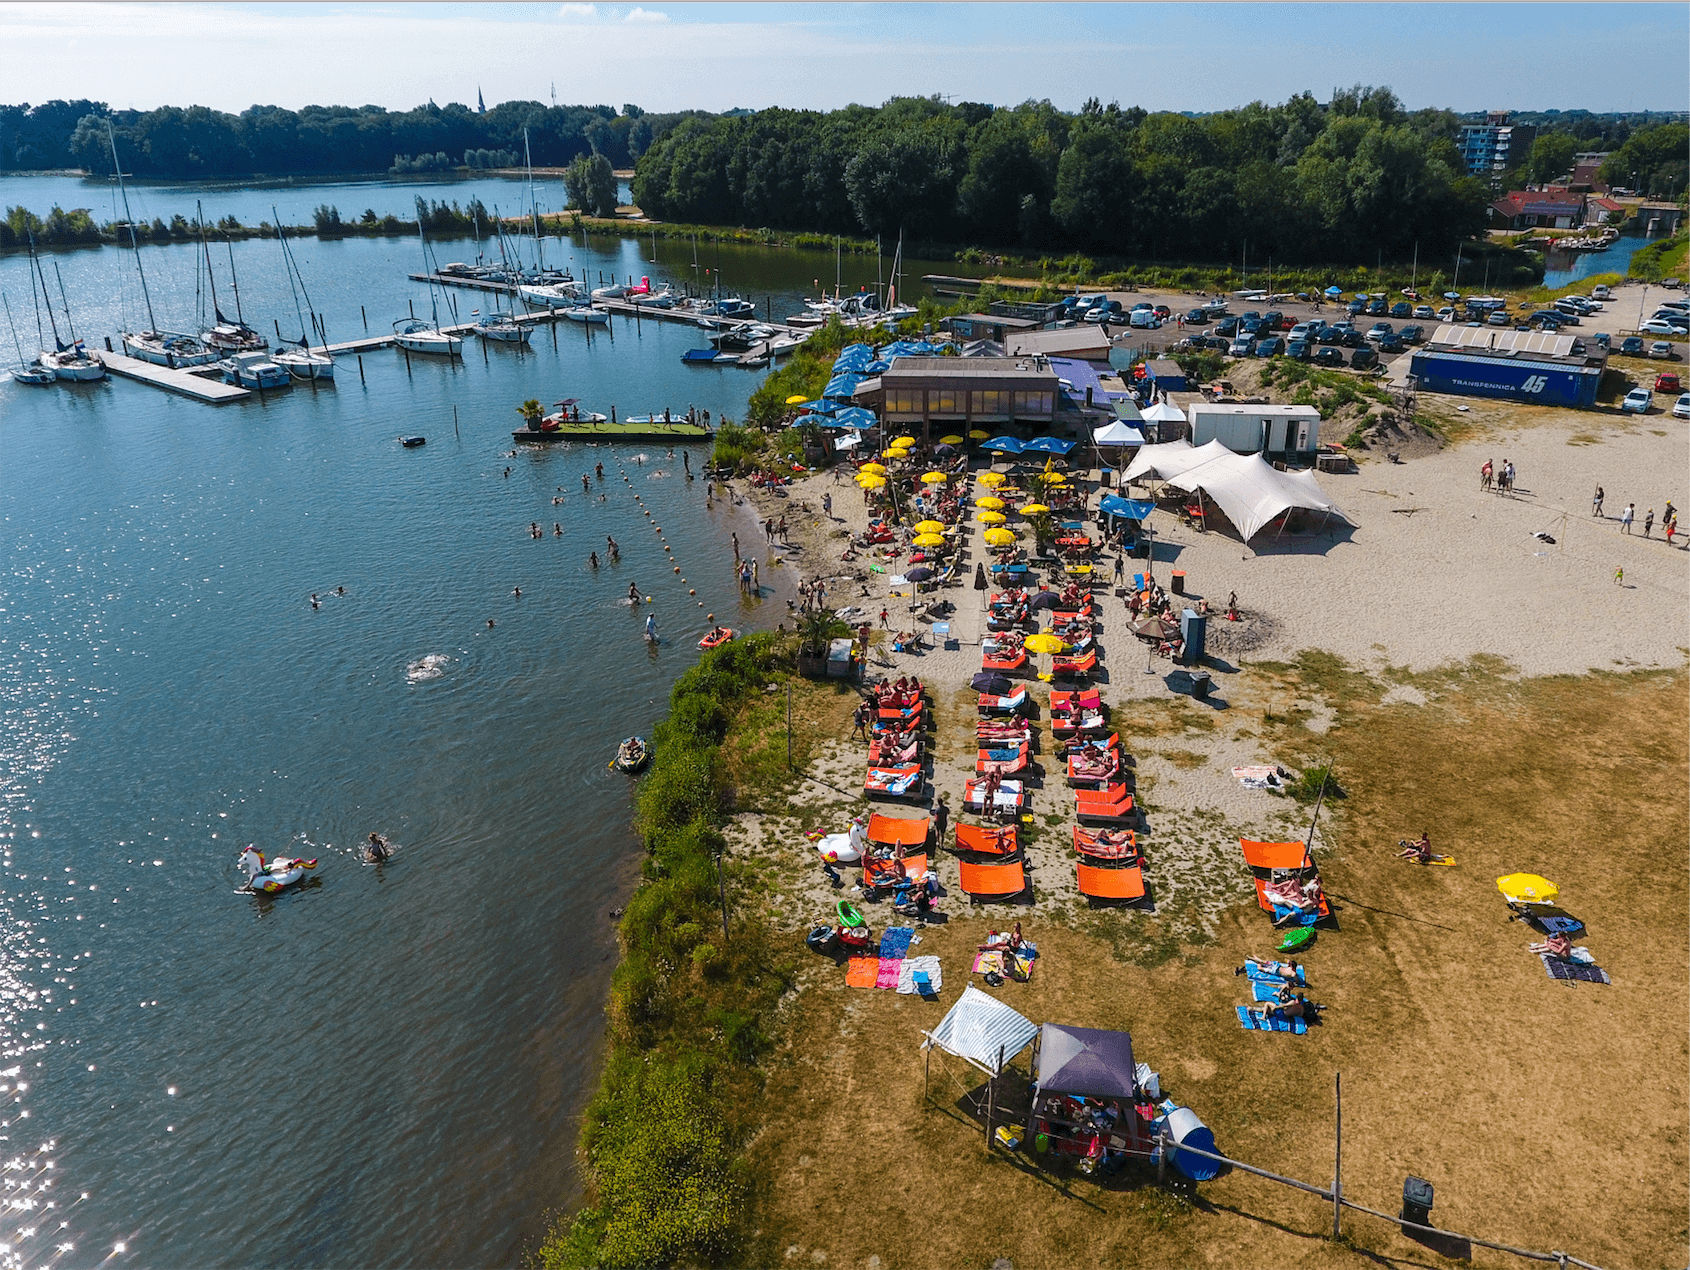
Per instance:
{"type": "Point", "coordinates": [991, 401]}
{"type": "Point", "coordinates": [944, 401]}
{"type": "Point", "coordinates": [904, 401]}
{"type": "Point", "coordinates": [1033, 405]}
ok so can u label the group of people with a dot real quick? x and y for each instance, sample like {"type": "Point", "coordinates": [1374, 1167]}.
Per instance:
{"type": "Point", "coordinates": [1669, 517]}
{"type": "Point", "coordinates": [1501, 479]}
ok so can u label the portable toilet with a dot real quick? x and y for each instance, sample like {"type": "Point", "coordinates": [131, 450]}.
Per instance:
{"type": "Point", "coordinates": [1192, 627]}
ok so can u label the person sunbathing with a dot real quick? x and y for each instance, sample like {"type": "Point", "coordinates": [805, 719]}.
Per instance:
{"type": "Point", "coordinates": [1556, 945]}
{"type": "Point", "coordinates": [1420, 850]}
{"type": "Point", "coordinates": [1297, 1007]}
{"type": "Point", "coordinates": [1286, 970]}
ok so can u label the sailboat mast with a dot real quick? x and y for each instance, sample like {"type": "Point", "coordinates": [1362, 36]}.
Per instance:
{"type": "Point", "coordinates": [287, 262]}
{"type": "Point", "coordinates": [433, 300]}
{"type": "Point", "coordinates": [35, 263]}
{"type": "Point", "coordinates": [534, 203]}
{"type": "Point", "coordinates": [64, 300]}
{"type": "Point", "coordinates": [234, 279]}
{"type": "Point", "coordinates": [111, 138]}
{"type": "Point", "coordinates": [879, 279]}
{"type": "Point", "coordinates": [205, 245]}
{"type": "Point", "coordinates": [16, 342]}
{"type": "Point", "coordinates": [837, 260]}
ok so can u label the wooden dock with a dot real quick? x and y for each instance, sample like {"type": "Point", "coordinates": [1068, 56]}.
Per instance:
{"type": "Point", "coordinates": [198, 384]}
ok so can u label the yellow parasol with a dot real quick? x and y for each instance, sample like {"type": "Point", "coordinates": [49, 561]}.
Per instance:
{"type": "Point", "coordinates": [950, 440]}
{"type": "Point", "coordinates": [1527, 888]}
{"type": "Point", "coordinates": [979, 435]}
{"type": "Point", "coordinates": [990, 518]}
{"type": "Point", "coordinates": [935, 478]}
{"type": "Point", "coordinates": [990, 502]}
{"type": "Point", "coordinates": [1056, 478]}
{"type": "Point", "coordinates": [796, 398]}
{"type": "Point", "coordinates": [900, 441]}
{"type": "Point", "coordinates": [871, 481]}
{"type": "Point", "coordinates": [993, 479]}
{"type": "Point", "coordinates": [1034, 509]}
{"type": "Point", "coordinates": [999, 537]}
{"type": "Point", "coordinates": [1044, 642]}
{"type": "Point", "coordinates": [930, 540]}
{"type": "Point", "coordinates": [873, 469]}
{"type": "Point", "coordinates": [895, 452]}
{"type": "Point", "coordinates": [929, 527]}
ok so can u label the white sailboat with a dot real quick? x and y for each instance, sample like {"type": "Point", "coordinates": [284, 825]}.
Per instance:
{"type": "Point", "coordinates": [503, 328]}
{"type": "Point", "coordinates": [70, 362]}
{"type": "Point", "coordinates": [299, 359]}
{"type": "Point", "coordinates": [162, 348]}
{"type": "Point", "coordinates": [229, 335]}
{"type": "Point", "coordinates": [417, 336]}
{"type": "Point", "coordinates": [33, 373]}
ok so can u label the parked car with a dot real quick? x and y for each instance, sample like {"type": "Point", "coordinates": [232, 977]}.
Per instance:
{"type": "Point", "coordinates": [1376, 308]}
{"type": "Point", "coordinates": [1329, 337]}
{"type": "Point", "coordinates": [1251, 326]}
{"type": "Point", "coordinates": [1353, 339]}
{"type": "Point", "coordinates": [1274, 320]}
{"type": "Point", "coordinates": [1302, 331]}
{"type": "Point", "coordinates": [1327, 356]}
{"type": "Point", "coordinates": [1363, 359]}
{"type": "Point", "coordinates": [1241, 347]}
{"type": "Point", "coordinates": [1273, 346]}
{"type": "Point", "coordinates": [1672, 317]}
{"type": "Point", "coordinates": [1412, 334]}
{"type": "Point", "coordinates": [1667, 381]}
{"type": "Point", "coordinates": [1681, 407]}
{"type": "Point", "coordinates": [1499, 319]}
{"type": "Point", "coordinates": [1446, 314]}
{"type": "Point", "coordinates": [1637, 401]}
{"type": "Point", "coordinates": [1402, 309]}
{"type": "Point", "coordinates": [1676, 306]}
{"type": "Point", "coordinates": [1631, 346]}
{"type": "Point", "coordinates": [1163, 311]}
{"type": "Point", "coordinates": [1603, 338]}
{"type": "Point", "coordinates": [1391, 344]}
{"type": "Point", "coordinates": [1196, 317]}
{"type": "Point", "coordinates": [1661, 349]}
{"type": "Point", "coordinates": [1356, 307]}
{"type": "Point", "coordinates": [1423, 313]}
{"type": "Point", "coordinates": [1299, 349]}
{"type": "Point", "coordinates": [1655, 326]}
{"type": "Point", "coordinates": [1228, 327]}
{"type": "Point", "coordinates": [1379, 330]}
{"type": "Point", "coordinates": [1601, 292]}
{"type": "Point", "coordinates": [1143, 319]}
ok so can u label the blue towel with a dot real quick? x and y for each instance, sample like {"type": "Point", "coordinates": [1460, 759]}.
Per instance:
{"type": "Point", "coordinates": [1257, 975]}
{"type": "Point", "coordinates": [1251, 1023]}
{"type": "Point", "coordinates": [895, 941]}
{"type": "Point", "coordinates": [1000, 756]}
{"type": "Point", "coordinates": [1282, 912]}
{"type": "Point", "coordinates": [1262, 990]}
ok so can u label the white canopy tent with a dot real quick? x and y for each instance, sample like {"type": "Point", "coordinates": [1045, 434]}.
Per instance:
{"type": "Point", "coordinates": [1117, 433]}
{"type": "Point", "coordinates": [1250, 490]}
{"type": "Point", "coordinates": [982, 1030]}
{"type": "Point", "coordinates": [1164, 412]}
{"type": "Point", "coordinates": [1165, 461]}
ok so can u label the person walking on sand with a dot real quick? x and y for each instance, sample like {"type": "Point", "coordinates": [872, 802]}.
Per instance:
{"type": "Point", "coordinates": [884, 614]}
{"type": "Point", "coordinates": [1670, 528]}
{"type": "Point", "coordinates": [859, 721]}
{"type": "Point", "coordinates": [827, 505]}
{"type": "Point", "coordinates": [1648, 521]}
{"type": "Point", "coordinates": [1596, 502]}
{"type": "Point", "coordinates": [1508, 467]}
{"type": "Point", "coordinates": [1485, 475]}
{"type": "Point", "coordinates": [1619, 576]}
{"type": "Point", "coordinates": [1626, 517]}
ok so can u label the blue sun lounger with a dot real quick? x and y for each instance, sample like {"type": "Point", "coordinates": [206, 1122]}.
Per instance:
{"type": "Point", "coordinates": [1253, 1023]}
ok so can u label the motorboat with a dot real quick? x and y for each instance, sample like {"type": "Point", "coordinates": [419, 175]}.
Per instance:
{"type": "Point", "coordinates": [615, 291]}
{"type": "Point", "coordinates": [587, 314]}
{"type": "Point", "coordinates": [555, 295]}
{"type": "Point", "coordinates": [732, 307]}
{"type": "Point", "coordinates": [254, 370]}
{"type": "Point", "coordinates": [569, 411]}
{"type": "Point", "coordinates": [35, 375]}
{"type": "Point", "coordinates": [73, 365]}
{"type": "Point", "coordinates": [661, 299]}
{"type": "Point", "coordinates": [416, 336]}
{"type": "Point", "coordinates": [781, 345]}
{"type": "Point", "coordinates": [632, 755]}
{"type": "Point", "coordinates": [304, 363]}
{"type": "Point", "coordinates": [504, 328]}
{"type": "Point", "coordinates": [266, 877]}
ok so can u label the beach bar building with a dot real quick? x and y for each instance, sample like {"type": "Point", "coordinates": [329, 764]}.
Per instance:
{"type": "Point", "coordinates": [954, 394]}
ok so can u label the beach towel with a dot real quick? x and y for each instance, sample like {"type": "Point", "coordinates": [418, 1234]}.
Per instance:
{"type": "Point", "coordinates": [895, 942]}
{"type": "Point", "coordinates": [1251, 1023]}
{"type": "Point", "coordinates": [861, 972]}
{"type": "Point", "coordinates": [887, 976]}
{"type": "Point", "coordinates": [1260, 974]}
{"type": "Point", "coordinates": [911, 966]}
{"type": "Point", "coordinates": [1262, 990]}
{"type": "Point", "coordinates": [1573, 971]}
{"type": "Point", "coordinates": [986, 963]}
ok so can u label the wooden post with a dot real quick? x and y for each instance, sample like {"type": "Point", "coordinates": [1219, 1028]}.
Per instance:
{"type": "Point", "coordinates": [360, 358]}
{"type": "Point", "coordinates": [789, 725]}
{"type": "Point", "coordinates": [926, 1071]}
{"type": "Point", "coordinates": [1337, 1151]}
{"type": "Point", "coordinates": [455, 431]}
{"type": "Point", "coordinates": [366, 318]}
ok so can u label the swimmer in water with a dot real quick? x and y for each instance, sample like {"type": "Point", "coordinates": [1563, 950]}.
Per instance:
{"type": "Point", "coordinates": [507, 473]}
{"type": "Point", "coordinates": [611, 543]}
{"type": "Point", "coordinates": [583, 482]}
{"type": "Point", "coordinates": [651, 627]}
{"type": "Point", "coordinates": [340, 590]}
{"type": "Point", "coordinates": [598, 470]}
{"type": "Point", "coordinates": [517, 592]}
{"type": "Point", "coordinates": [315, 602]}
{"type": "Point", "coordinates": [633, 594]}
{"type": "Point", "coordinates": [376, 849]}
{"type": "Point", "coordinates": [593, 560]}
{"type": "Point", "coordinates": [557, 530]}
{"type": "Point", "coordinates": [489, 623]}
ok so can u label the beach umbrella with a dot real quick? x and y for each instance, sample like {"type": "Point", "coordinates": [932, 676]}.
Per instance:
{"type": "Point", "coordinates": [990, 518]}
{"type": "Point", "coordinates": [1332, 293]}
{"type": "Point", "coordinates": [929, 540]}
{"type": "Point", "coordinates": [872, 481]}
{"type": "Point", "coordinates": [875, 469]}
{"type": "Point", "coordinates": [1035, 509]}
{"type": "Point", "coordinates": [1044, 642]}
{"type": "Point", "coordinates": [944, 448]}
{"type": "Point", "coordinates": [894, 453]}
{"type": "Point", "coordinates": [1527, 888]}
{"type": "Point", "coordinates": [904, 441]}
{"type": "Point", "coordinates": [1055, 478]}
{"type": "Point", "coordinates": [993, 479]}
{"type": "Point", "coordinates": [935, 478]}
{"type": "Point", "coordinates": [979, 435]}
{"type": "Point", "coordinates": [950, 440]}
{"type": "Point", "coordinates": [1045, 600]}
{"type": "Point", "coordinates": [856, 416]}
{"type": "Point", "coordinates": [918, 574]}
{"type": "Point", "coordinates": [998, 536]}
{"type": "Point", "coordinates": [795, 399]}
{"type": "Point", "coordinates": [1003, 445]}
{"type": "Point", "coordinates": [988, 681]}
{"type": "Point", "coordinates": [990, 502]}
{"type": "Point", "coordinates": [930, 527]}
{"type": "Point", "coordinates": [1155, 628]}
{"type": "Point", "coordinates": [1048, 445]}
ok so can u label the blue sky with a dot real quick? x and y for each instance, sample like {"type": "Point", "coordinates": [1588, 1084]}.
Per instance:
{"type": "Point", "coordinates": [671, 56]}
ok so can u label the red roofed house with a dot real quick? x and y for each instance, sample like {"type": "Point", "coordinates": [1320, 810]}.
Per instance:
{"type": "Point", "coordinates": [1538, 209]}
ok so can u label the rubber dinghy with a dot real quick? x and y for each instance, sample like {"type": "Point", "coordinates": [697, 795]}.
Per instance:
{"type": "Point", "coordinates": [632, 755]}
{"type": "Point", "coordinates": [266, 877]}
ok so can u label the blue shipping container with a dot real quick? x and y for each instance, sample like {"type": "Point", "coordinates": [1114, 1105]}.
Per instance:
{"type": "Point", "coordinates": [1513, 379]}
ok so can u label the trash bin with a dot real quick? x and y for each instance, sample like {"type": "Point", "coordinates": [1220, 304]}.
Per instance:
{"type": "Point", "coordinates": [1177, 585]}
{"type": "Point", "coordinates": [1200, 685]}
{"type": "Point", "coordinates": [1417, 1201]}
{"type": "Point", "coordinates": [1141, 549]}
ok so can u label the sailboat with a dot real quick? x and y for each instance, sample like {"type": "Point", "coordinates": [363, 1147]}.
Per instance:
{"type": "Point", "coordinates": [25, 372]}
{"type": "Point", "coordinates": [226, 336]}
{"type": "Point", "coordinates": [502, 327]}
{"type": "Point", "coordinates": [70, 362]}
{"type": "Point", "coordinates": [161, 348]}
{"type": "Point", "coordinates": [298, 358]}
{"type": "Point", "coordinates": [417, 336]}
{"type": "Point", "coordinates": [895, 312]}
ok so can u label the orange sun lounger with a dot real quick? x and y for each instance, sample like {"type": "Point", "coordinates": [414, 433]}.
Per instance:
{"type": "Point", "coordinates": [1074, 665]}
{"type": "Point", "coordinates": [1111, 884]}
{"type": "Point", "coordinates": [1273, 855]}
{"type": "Point", "coordinates": [993, 881]}
{"type": "Point", "coordinates": [1004, 665]}
{"type": "Point", "coordinates": [1323, 908]}
{"type": "Point", "coordinates": [899, 831]}
{"type": "Point", "coordinates": [1113, 803]}
{"type": "Point", "coordinates": [883, 873]}
{"type": "Point", "coordinates": [985, 840]}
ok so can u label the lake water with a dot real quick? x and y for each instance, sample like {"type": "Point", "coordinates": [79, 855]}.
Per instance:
{"type": "Point", "coordinates": [1565, 267]}
{"type": "Point", "coordinates": [387, 1067]}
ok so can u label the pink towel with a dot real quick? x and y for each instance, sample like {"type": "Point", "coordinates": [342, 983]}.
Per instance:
{"type": "Point", "coordinates": [889, 968]}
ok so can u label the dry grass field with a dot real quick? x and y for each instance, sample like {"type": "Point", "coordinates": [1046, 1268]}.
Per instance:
{"type": "Point", "coordinates": [1548, 1115]}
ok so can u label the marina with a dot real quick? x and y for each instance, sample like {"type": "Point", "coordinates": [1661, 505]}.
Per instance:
{"type": "Point", "coordinates": [200, 384]}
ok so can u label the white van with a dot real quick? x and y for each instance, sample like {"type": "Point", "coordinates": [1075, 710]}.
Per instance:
{"type": "Point", "coordinates": [1144, 319]}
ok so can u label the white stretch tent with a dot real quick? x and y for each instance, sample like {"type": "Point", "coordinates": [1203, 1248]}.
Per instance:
{"type": "Point", "coordinates": [1169, 459]}
{"type": "Point", "coordinates": [982, 1030]}
{"type": "Point", "coordinates": [1251, 491]}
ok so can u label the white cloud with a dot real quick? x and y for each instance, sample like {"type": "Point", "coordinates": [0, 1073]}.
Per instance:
{"type": "Point", "coordinates": [574, 11]}
{"type": "Point", "coordinates": [645, 15]}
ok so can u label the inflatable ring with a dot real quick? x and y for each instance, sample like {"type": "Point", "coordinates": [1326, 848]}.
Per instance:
{"type": "Point", "coordinates": [848, 915]}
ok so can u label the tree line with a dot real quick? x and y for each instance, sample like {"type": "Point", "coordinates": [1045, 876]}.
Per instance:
{"type": "Point", "coordinates": [176, 142]}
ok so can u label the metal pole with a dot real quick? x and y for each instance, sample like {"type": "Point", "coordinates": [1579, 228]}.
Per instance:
{"type": "Point", "coordinates": [1337, 1151]}
{"type": "Point", "coordinates": [455, 431]}
{"type": "Point", "coordinates": [722, 891]}
{"type": "Point", "coordinates": [789, 725]}
{"type": "Point", "coordinates": [366, 318]}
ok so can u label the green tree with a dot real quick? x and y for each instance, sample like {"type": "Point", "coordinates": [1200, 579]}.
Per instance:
{"type": "Point", "coordinates": [1551, 157]}
{"type": "Point", "coordinates": [591, 184]}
